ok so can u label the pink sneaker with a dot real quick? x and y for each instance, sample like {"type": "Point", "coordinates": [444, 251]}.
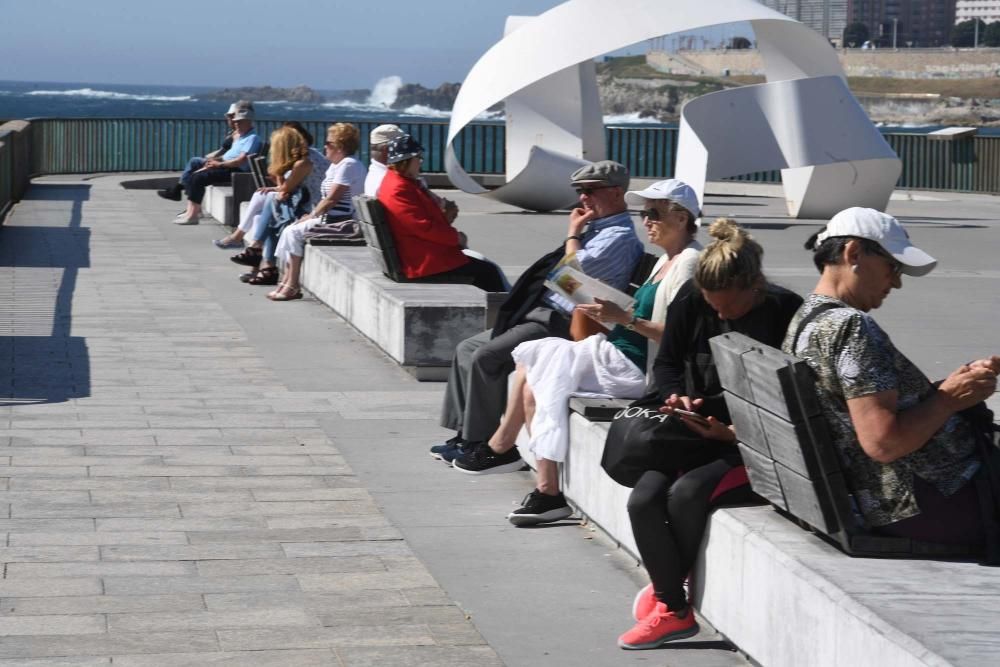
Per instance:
{"type": "Point", "coordinates": [645, 601]}
{"type": "Point", "coordinates": [660, 627]}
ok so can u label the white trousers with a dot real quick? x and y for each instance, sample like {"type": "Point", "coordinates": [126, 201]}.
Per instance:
{"type": "Point", "coordinates": [293, 239]}
{"type": "Point", "coordinates": [249, 218]}
{"type": "Point", "coordinates": [557, 369]}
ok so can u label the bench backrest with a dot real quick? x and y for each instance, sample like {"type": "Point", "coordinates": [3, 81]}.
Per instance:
{"type": "Point", "coordinates": [786, 447]}
{"type": "Point", "coordinates": [378, 236]}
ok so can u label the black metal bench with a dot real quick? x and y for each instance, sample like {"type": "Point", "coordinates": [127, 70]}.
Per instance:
{"type": "Point", "coordinates": [786, 448]}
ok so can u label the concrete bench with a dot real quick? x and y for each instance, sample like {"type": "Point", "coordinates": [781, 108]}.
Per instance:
{"type": "Point", "coordinates": [416, 324]}
{"type": "Point", "coordinates": [787, 597]}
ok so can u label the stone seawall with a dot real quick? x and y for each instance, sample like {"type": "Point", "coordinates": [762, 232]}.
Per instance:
{"type": "Point", "coordinates": [900, 64]}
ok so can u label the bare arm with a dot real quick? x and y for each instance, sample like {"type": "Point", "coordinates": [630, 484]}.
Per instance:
{"type": "Point", "coordinates": [324, 204]}
{"type": "Point", "coordinates": [288, 185]}
{"type": "Point", "coordinates": [886, 434]}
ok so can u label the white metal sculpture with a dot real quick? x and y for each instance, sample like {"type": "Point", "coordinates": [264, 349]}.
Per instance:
{"type": "Point", "coordinates": [803, 120]}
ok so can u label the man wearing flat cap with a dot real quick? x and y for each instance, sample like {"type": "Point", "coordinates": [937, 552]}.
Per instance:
{"type": "Point", "coordinates": [378, 146]}
{"type": "Point", "coordinates": [603, 238]}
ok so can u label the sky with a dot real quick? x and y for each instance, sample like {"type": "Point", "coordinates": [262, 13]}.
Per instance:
{"type": "Point", "coordinates": [327, 45]}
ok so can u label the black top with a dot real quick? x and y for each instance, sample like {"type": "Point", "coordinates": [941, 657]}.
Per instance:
{"type": "Point", "coordinates": [691, 322]}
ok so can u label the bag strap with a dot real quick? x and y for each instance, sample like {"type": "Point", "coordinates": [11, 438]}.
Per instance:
{"type": "Point", "coordinates": [816, 312]}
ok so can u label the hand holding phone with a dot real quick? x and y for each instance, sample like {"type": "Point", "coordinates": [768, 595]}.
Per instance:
{"type": "Point", "coordinates": [693, 416]}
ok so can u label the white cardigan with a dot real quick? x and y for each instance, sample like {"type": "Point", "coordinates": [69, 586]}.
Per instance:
{"type": "Point", "coordinates": [681, 271]}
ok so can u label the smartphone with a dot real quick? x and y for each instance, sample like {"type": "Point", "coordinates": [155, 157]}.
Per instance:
{"type": "Point", "coordinates": [693, 416]}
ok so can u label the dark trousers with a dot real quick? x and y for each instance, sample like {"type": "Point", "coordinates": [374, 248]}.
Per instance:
{"type": "Point", "coordinates": [954, 519]}
{"type": "Point", "coordinates": [476, 394]}
{"type": "Point", "coordinates": [195, 181]}
{"type": "Point", "coordinates": [668, 520]}
{"type": "Point", "coordinates": [484, 275]}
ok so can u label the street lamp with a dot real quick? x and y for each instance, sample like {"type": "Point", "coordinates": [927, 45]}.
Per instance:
{"type": "Point", "coordinates": [895, 24]}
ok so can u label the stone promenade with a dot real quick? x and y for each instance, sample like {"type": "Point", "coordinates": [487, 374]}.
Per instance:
{"type": "Point", "coordinates": [193, 475]}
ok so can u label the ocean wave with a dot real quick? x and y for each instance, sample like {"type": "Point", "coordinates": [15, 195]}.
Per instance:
{"type": "Point", "coordinates": [629, 119]}
{"type": "Point", "coordinates": [111, 95]}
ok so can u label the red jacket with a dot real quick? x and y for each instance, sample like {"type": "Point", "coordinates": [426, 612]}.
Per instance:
{"type": "Point", "coordinates": [426, 243]}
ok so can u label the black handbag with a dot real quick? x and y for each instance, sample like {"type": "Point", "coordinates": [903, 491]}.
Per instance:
{"type": "Point", "coordinates": [642, 438]}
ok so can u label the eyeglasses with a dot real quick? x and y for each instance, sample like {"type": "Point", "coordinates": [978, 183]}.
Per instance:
{"type": "Point", "coordinates": [589, 190]}
{"type": "Point", "coordinates": [330, 144]}
{"type": "Point", "coordinates": [650, 214]}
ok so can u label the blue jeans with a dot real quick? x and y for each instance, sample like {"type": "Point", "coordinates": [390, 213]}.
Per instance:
{"type": "Point", "coordinates": [265, 230]}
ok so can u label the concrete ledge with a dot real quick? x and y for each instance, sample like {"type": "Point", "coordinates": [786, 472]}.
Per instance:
{"type": "Point", "coordinates": [417, 324]}
{"type": "Point", "coordinates": [217, 201]}
{"type": "Point", "coordinates": [788, 598]}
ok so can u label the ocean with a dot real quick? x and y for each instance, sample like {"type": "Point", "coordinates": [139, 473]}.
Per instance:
{"type": "Point", "coordinates": [31, 99]}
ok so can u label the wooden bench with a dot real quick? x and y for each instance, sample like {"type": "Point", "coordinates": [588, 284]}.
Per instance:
{"type": "Point", "coordinates": [382, 245]}
{"type": "Point", "coordinates": [787, 450]}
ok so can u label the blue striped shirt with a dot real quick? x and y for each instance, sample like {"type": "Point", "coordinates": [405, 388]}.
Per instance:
{"type": "Point", "coordinates": [610, 252]}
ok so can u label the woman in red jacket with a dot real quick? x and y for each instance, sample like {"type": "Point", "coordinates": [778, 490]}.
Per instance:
{"type": "Point", "coordinates": [429, 248]}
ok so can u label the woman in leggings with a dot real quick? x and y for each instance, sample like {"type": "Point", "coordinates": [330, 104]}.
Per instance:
{"type": "Point", "coordinates": [668, 512]}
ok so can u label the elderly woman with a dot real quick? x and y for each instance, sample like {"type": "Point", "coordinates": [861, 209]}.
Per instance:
{"type": "Point", "coordinates": [430, 248]}
{"type": "Point", "coordinates": [907, 453]}
{"type": "Point", "coordinates": [668, 513]}
{"type": "Point", "coordinates": [549, 370]}
{"type": "Point", "coordinates": [344, 179]}
{"type": "Point", "coordinates": [262, 197]}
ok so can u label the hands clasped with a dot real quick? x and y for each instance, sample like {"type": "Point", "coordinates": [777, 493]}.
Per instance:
{"type": "Point", "coordinates": [971, 383]}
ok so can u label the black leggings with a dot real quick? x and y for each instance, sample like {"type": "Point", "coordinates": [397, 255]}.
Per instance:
{"type": "Point", "coordinates": [484, 275]}
{"type": "Point", "coordinates": [668, 520]}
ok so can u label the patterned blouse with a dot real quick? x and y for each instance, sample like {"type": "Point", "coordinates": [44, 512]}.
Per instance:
{"type": "Point", "coordinates": [853, 357]}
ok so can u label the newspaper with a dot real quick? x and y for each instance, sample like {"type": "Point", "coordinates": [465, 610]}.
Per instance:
{"type": "Point", "coordinates": [569, 281]}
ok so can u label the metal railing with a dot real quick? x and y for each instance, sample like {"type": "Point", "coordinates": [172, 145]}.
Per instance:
{"type": "Point", "coordinates": [969, 164]}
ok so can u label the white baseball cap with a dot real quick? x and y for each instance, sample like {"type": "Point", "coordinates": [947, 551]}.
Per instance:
{"type": "Point", "coordinates": [383, 134]}
{"type": "Point", "coordinates": [676, 191]}
{"type": "Point", "coordinates": [867, 223]}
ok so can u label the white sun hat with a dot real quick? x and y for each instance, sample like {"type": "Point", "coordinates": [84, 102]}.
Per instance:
{"type": "Point", "coordinates": [867, 223]}
{"type": "Point", "coordinates": [676, 191]}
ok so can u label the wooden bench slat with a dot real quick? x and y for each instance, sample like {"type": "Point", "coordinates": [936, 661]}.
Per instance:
{"type": "Point", "coordinates": [763, 476]}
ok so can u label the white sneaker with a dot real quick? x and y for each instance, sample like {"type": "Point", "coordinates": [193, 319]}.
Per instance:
{"type": "Point", "coordinates": [182, 219]}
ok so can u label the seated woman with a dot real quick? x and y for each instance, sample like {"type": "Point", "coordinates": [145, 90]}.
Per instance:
{"type": "Point", "coordinates": [549, 370]}
{"type": "Point", "coordinates": [907, 453]}
{"type": "Point", "coordinates": [430, 249]}
{"type": "Point", "coordinates": [344, 179]}
{"type": "Point", "coordinates": [668, 513]}
{"type": "Point", "coordinates": [290, 166]}
{"type": "Point", "coordinates": [259, 199]}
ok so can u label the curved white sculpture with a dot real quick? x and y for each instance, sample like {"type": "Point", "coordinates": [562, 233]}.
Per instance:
{"type": "Point", "coordinates": [837, 161]}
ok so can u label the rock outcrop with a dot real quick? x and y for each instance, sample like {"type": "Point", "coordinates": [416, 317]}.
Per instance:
{"type": "Point", "coordinates": [264, 94]}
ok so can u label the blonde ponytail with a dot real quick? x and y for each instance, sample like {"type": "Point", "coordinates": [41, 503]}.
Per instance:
{"type": "Point", "coordinates": [732, 260]}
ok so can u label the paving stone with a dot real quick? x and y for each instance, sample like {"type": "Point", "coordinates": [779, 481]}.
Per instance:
{"type": "Point", "coordinates": [172, 621]}
{"type": "Point", "coordinates": [167, 585]}
{"type": "Point", "coordinates": [98, 538]}
{"type": "Point", "coordinates": [185, 524]}
{"type": "Point", "coordinates": [101, 604]}
{"type": "Point", "coordinates": [52, 625]}
{"type": "Point", "coordinates": [46, 525]}
{"type": "Point", "coordinates": [50, 587]}
{"type": "Point", "coordinates": [311, 494]}
{"type": "Point", "coordinates": [340, 549]}
{"type": "Point", "coordinates": [254, 483]}
{"type": "Point", "coordinates": [275, 535]}
{"type": "Point", "coordinates": [192, 552]}
{"type": "Point", "coordinates": [298, 658]}
{"type": "Point", "coordinates": [316, 602]}
{"type": "Point", "coordinates": [323, 583]}
{"type": "Point", "coordinates": [211, 568]}
{"type": "Point", "coordinates": [62, 661]}
{"type": "Point", "coordinates": [174, 496]}
{"type": "Point", "coordinates": [287, 508]}
{"type": "Point", "coordinates": [270, 638]}
{"type": "Point", "coordinates": [39, 554]}
{"type": "Point", "coordinates": [42, 510]}
{"type": "Point", "coordinates": [88, 483]}
{"type": "Point", "coordinates": [107, 644]}
{"type": "Point", "coordinates": [99, 569]}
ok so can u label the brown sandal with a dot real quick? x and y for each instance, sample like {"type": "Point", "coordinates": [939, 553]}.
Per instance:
{"type": "Point", "coordinates": [266, 276]}
{"type": "Point", "coordinates": [287, 296]}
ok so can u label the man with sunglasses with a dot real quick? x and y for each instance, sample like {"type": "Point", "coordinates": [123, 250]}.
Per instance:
{"type": "Point", "coordinates": [602, 237]}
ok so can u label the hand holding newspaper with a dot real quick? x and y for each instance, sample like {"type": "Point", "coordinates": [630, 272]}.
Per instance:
{"type": "Point", "coordinates": [568, 280]}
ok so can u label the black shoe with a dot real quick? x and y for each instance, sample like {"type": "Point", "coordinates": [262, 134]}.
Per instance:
{"type": "Point", "coordinates": [482, 460]}
{"type": "Point", "coordinates": [173, 193]}
{"type": "Point", "coordinates": [538, 507]}
{"type": "Point", "coordinates": [249, 257]}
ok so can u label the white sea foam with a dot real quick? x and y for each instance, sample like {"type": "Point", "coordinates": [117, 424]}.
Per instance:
{"type": "Point", "coordinates": [628, 119]}
{"type": "Point", "coordinates": [384, 92]}
{"type": "Point", "coordinates": [111, 95]}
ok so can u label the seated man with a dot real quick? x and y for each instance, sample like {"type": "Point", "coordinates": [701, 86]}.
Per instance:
{"type": "Point", "coordinates": [174, 192]}
{"type": "Point", "coordinates": [217, 171]}
{"type": "Point", "coordinates": [378, 149]}
{"type": "Point", "coordinates": [602, 236]}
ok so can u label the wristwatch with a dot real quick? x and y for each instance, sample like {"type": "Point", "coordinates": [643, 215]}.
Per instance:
{"type": "Point", "coordinates": [631, 323]}
{"type": "Point", "coordinates": [576, 237]}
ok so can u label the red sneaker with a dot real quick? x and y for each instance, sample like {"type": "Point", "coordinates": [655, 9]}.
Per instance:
{"type": "Point", "coordinates": [660, 627]}
{"type": "Point", "coordinates": [645, 601]}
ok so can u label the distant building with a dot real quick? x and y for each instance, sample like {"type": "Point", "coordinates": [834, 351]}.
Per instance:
{"type": "Point", "coordinates": [917, 23]}
{"type": "Point", "coordinates": [827, 17]}
{"type": "Point", "coordinates": [986, 10]}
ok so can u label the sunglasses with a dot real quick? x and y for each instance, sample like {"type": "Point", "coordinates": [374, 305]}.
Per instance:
{"type": "Point", "coordinates": [895, 264]}
{"type": "Point", "coordinates": [653, 215]}
{"type": "Point", "coordinates": [590, 189]}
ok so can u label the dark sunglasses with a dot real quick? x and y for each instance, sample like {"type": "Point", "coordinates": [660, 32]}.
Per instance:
{"type": "Point", "coordinates": [650, 214]}
{"type": "Point", "coordinates": [590, 189]}
{"type": "Point", "coordinates": [897, 266]}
